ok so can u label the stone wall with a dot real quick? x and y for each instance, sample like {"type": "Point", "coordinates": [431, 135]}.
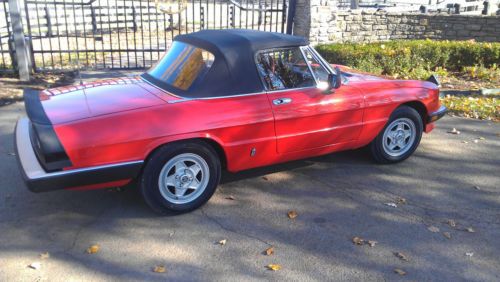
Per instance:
{"type": "Point", "coordinates": [323, 23]}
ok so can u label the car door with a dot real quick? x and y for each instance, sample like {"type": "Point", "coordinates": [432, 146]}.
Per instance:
{"type": "Point", "coordinates": [306, 116]}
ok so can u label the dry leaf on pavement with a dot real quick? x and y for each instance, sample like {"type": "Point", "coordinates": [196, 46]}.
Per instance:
{"type": "Point", "coordinates": [402, 256]}
{"type": "Point", "coordinates": [265, 178]}
{"type": "Point", "coordinates": [469, 254]}
{"type": "Point", "coordinates": [401, 200]}
{"type": "Point", "coordinates": [470, 230]}
{"type": "Point", "coordinates": [399, 271]}
{"type": "Point", "coordinates": [35, 265]}
{"type": "Point", "coordinates": [159, 269]}
{"type": "Point", "coordinates": [274, 267]}
{"type": "Point", "coordinates": [433, 229]}
{"type": "Point", "coordinates": [230, 198]}
{"type": "Point", "coordinates": [45, 255]}
{"type": "Point", "coordinates": [372, 243]}
{"type": "Point", "coordinates": [454, 131]}
{"type": "Point", "coordinates": [447, 235]}
{"type": "Point", "coordinates": [93, 249]}
{"type": "Point", "coordinates": [222, 242]}
{"type": "Point", "coordinates": [358, 241]}
{"type": "Point", "coordinates": [269, 251]}
{"type": "Point", "coordinates": [452, 223]}
{"type": "Point", "coordinates": [292, 214]}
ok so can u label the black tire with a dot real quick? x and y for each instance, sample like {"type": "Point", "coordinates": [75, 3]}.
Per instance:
{"type": "Point", "coordinates": [377, 150]}
{"type": "Point", "coordinates": [149, 181]}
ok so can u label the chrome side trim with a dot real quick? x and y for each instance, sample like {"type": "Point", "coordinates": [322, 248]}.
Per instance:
{"type": "Point", "coordinates": [32, 167]}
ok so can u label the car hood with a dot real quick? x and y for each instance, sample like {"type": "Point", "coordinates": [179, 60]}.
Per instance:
{"type": "Point", "coordinates": [70, 103]}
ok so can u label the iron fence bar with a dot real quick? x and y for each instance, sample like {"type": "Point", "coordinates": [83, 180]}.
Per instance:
{"type": "Point", "coordinates": [142, 37]}
{"type": "Point", "coordinates": [165, 30]}
{"type": "Point", "coordinates": [39, 32]}
{"type": "Point", "coordinates": [118, 33]}
{"type": "Point", "coordinates": [149, 31]}
{"type": "Point", "coordinates": [102, 38]}
{"type": "Point", "coordinates": [11, 50]}
{"type": "Point", "coordinates": [134, 28]}
{"type": "Point", "coordinates": [49, 34]}
{"type": "Point", "coordinates": [94, 30]}
{"type": "Point", "coordinates": [126, 30]}
{"type": "Point", "coordinates": [32, 58]}
{"type": "Point", "coordinates": [60, 3]}
{"type": "Point", "coordinates": [287, 18]}
{"type": "Point", "coordinates": [67, 30]}
{"type": "Point", "coordinates": [58, 38]}
{"type": "Point", "coordinates": [110, 35]}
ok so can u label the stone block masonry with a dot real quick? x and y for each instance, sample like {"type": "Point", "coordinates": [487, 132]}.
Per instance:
{"type": "Point", "coordinates": [321, 22]}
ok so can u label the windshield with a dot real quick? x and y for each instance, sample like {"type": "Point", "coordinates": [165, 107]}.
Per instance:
{"type": "Point", "coordinates": [182, 66]}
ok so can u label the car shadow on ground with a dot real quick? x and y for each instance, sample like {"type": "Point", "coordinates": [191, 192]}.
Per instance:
{"type": "Point", "coordinates": [337, 197]}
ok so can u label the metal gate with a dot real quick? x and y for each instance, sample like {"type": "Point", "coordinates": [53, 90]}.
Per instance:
{"type": "Point", "coordinates": [131, 34]}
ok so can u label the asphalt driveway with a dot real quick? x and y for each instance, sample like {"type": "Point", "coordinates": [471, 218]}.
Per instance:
{"type": "Point", "coordinates": [336, 197]}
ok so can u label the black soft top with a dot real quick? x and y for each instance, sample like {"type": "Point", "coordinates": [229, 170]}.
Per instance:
{"type": "Point", "coordinates": [233, 71]}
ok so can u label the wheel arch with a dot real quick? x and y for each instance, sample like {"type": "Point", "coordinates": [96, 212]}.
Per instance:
{"type": "Point", "coordinates": [208, 141]}
{"type": "Point", "coordinates": [419, 107]}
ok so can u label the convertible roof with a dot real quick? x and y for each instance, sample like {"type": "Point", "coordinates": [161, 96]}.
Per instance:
{"type": "Point", "coordinates": [234, 71]}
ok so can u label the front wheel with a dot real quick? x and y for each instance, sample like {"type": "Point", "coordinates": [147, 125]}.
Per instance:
{"type": "Point", "coordinates": [180, 177]}
{"type": "Point", "coordinates": [399, 138]}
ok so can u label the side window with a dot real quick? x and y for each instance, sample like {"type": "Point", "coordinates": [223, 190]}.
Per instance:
{"type": "Point", "coordinates": [319, 71]}
{"type": "Point", "coordinates": [284, 69]}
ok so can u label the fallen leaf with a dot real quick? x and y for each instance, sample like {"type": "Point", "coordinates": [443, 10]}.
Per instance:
{"type": "Point", "coordinates": [35, 265]}
{"type": "Point", "coordinates": [447, 235]}
{"type": "Point", "coordinates": [230, 198]}
{"type": "Point", "coordinates": [401, 200]}
{"type": "Point", "coordinates": [402, 256]}
{"type": "Point", "coordinates": [292, 214]}
{"type": "Point", "coordinates": [93, 249]}
{"type": "Point", "coordinates": [274, 267]}
{"type": "Point", "coordinates": [470, 230]}
{"type": "Point", "coordinates": [469, 254]}
{"type": "Point", "coordinates": [358, 241]}
{"type": "Point", "coordinates": [11, 154]}
{"type": "Point", "coordinates": [433, 229]}
{"type": "Point", "coordinates": [452, 223]}
{"type": "Point", "coordinates": [391, 205]}
{"type": "Point", "coordinates": [265, 178]}
{"type": "Point", "coordinates": [159, 269]}
{"type": "Point", "coordinates": [477, 188]}
{"type": "Point", "coordinates": [269, 251]}
{"type": "Point", "coordinates": [482, 138]}
{"type": "Point", "coordinates": [222, 242]}
{"type": "Point", "coordinates": [399, 271]}
{"type": "Point", "coordinates": [465, 142]}
{"type": "Point", "coordinates": [372, 243]}
{"type": "Point", "coordinates": [45, 255]}
{"type": "Point", "coordinates": [454, 131]}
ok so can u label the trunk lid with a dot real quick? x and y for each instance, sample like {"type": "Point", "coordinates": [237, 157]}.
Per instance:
{"type": "Point", "coordinates": [70, 103]}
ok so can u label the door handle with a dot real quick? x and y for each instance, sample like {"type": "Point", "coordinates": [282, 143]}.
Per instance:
{"type": "Point", "coordinates": [282, 101]}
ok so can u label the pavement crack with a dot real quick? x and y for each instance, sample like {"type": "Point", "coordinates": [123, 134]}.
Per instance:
{"type": "Point", "coordinates": [217, 222]}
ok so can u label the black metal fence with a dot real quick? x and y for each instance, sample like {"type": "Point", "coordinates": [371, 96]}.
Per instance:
{"type": "Point", "coordinates": [6, 44]}
{"type": "Point", "coordinates": [126, 34]}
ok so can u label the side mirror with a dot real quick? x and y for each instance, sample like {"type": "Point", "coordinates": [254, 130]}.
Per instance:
{"type": "Point", "coordinates": [334, 80]}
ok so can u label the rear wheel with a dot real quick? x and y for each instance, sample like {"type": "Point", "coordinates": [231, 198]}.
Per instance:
{"type": "Point", "coordinates": [180, 177]}
{"type": "Point", "coordinates": [399, 138]}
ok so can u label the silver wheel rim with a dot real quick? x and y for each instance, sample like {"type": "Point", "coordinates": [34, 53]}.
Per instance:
{"type": "Point", "coordinates": [399, 137]}
{"type": "Point", "coordinates": [184, 178]}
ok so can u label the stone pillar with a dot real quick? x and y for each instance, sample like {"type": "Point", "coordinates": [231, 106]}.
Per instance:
{"type": "Point", "coordinates": [315, 19]}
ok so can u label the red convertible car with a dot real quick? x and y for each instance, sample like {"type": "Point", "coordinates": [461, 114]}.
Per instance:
{"type": "Point", "coordinates": [218, 99]}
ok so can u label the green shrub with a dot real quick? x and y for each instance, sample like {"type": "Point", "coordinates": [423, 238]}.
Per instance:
{"type": "Point", "coordinates": [413, 58]}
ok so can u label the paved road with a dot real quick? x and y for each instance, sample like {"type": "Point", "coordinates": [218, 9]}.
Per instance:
{"type": "Point", "coordinates": [337, 197]}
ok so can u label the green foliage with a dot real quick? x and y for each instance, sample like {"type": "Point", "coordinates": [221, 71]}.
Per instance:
{"type": "Point", "coordinates": [415, 59]}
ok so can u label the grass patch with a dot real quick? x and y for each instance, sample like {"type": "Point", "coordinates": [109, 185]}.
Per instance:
{"type": "Point", "coordinates": [479, 107]}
